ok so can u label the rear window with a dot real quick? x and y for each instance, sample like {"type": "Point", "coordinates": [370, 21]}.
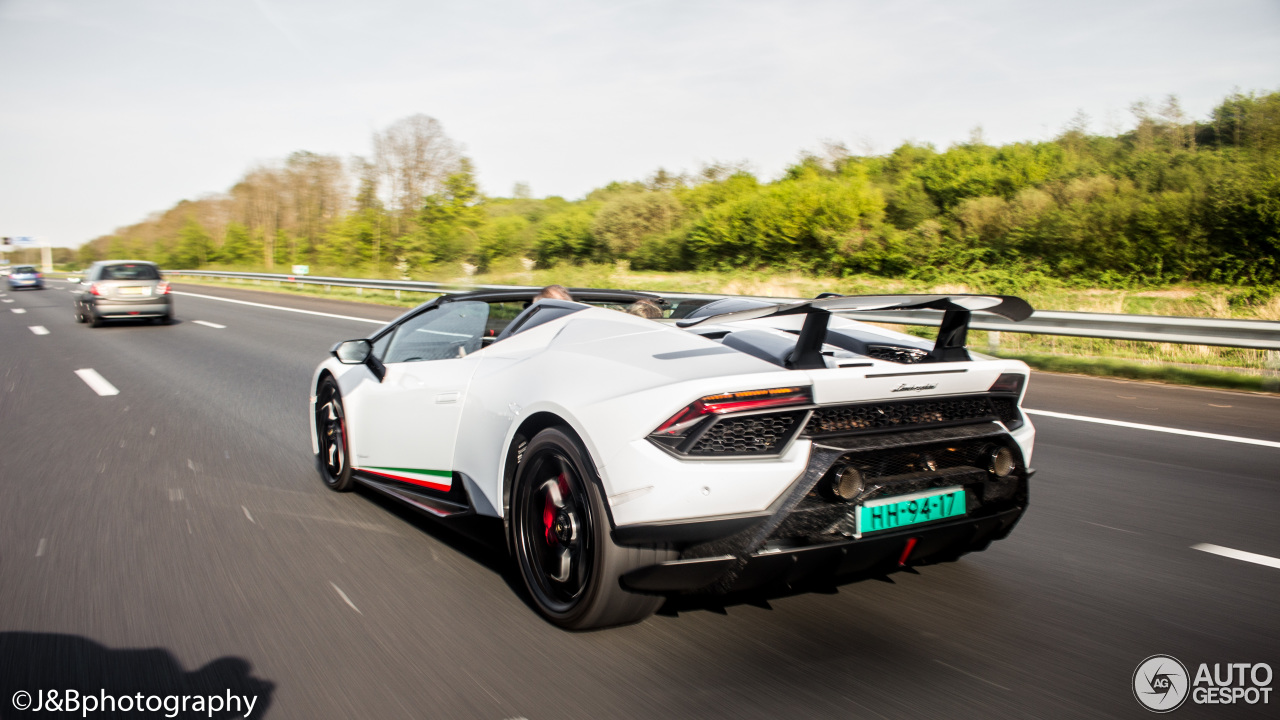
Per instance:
{"type": "Point", "coordinates": [130, 272]}
{"type": "Point", "coordinates": [24, 270]}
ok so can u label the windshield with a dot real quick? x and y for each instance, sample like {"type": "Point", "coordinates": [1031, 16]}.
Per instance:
{"type": "Point", "coordinates": [451, 330]}
{"type": "Point", "coordinates": [130, 272]}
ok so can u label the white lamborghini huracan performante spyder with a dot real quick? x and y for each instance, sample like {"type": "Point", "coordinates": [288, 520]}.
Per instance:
{"type": "Point", "coordinates": [732, 446]}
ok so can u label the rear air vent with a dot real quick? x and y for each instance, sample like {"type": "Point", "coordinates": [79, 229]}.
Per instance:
{"type": "Point", "coordinates": [764, 434]}
{"type": "Point", "coordinates": [907, 414]}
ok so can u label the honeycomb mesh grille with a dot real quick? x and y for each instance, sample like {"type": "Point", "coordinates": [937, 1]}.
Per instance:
{"type": "Point", "coordinates": [750, 435]}
{"type": "Point", "coordinates": [866, 417]}
{"type": "Point", "coordinates": [1007, 410]}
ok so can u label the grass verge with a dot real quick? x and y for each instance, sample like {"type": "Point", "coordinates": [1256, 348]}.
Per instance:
{"type": "Point", "coordinates": [1109, 367]}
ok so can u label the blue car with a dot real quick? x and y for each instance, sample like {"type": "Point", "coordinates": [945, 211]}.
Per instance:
{"type": "Point", "coordinates": [25, 276]}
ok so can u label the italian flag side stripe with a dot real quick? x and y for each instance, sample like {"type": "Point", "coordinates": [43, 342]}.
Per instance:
{"type": "Point", "coordinates": [381, 472]}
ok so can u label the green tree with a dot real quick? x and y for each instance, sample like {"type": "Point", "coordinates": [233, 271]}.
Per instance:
{"type": "Point", "coordinates": [240, 247]}
{"type": "Point", "coordinates": [623, 223]}
{"type": "Point", "coordinates": [567, 236]}
{"type": "Point", "coordinates": [448, 219]}
{"type": "Point", "coordinates": [192, 249]}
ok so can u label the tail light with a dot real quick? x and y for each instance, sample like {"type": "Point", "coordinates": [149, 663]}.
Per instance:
{"type": "Point", "coordinates": [162, 287]}
{"type": "Point", "coordinates": [678, 425]}
{"type": "Point", "coordinates": [94, 289]}
{"type": "Point", "coordinates": [1009, 383]}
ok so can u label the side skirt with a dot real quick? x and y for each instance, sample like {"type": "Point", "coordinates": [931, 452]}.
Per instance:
{"type": "Point", "coordinates": [455, 504]}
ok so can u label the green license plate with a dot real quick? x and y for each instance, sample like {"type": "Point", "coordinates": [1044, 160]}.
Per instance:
{"type": "Point", "coordinates": [902, 510]}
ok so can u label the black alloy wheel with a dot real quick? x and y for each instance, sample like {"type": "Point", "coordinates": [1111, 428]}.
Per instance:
{"type": "Point", "coordinates": [331, 430]}
{"type": "Point", "coordinates": [560, 536]}
{"type": "Point", "coordinates": [555, 519]}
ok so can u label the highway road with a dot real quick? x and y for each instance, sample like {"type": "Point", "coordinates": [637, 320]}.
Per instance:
{"type": "Point", "coordinates": [171, 537]}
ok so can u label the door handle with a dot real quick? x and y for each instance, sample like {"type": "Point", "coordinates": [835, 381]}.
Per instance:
{"type": "Point", "coordinates": [447, 398]}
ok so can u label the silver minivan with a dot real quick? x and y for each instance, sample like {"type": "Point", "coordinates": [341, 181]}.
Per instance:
{"type": "Point", "coordinates": [123, 290]}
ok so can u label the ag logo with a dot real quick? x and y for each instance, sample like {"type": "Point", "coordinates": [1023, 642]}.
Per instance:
{"type": "Point", "coordinates": [1160, 683]}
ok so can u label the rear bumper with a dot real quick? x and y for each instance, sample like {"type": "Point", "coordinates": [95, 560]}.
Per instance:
{"type": "Point", "coordinates": [808, 534]}
{"type": "Point", "coordinates": [827, 564]}
{"type": "Point", "coordinates": [109, 309]}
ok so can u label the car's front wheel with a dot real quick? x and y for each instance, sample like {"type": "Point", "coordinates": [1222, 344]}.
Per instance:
{"type": "Point", "coordinates": [560, 536]}
{"type": "Point", "coordinates": [331, 430]}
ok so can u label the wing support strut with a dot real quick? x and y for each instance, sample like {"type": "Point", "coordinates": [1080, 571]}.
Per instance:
{"type": "Point", "coordinates": [808, 352]}
{"type": "Point", "coordinates": [952, 335]}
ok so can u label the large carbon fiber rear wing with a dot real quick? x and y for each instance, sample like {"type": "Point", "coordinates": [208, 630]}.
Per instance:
{"type": "Point", "coordinates": [949, 347]}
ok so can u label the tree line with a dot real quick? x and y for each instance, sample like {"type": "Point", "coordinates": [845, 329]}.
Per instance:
{"type": "Point", "coordinates": [1171, 199]}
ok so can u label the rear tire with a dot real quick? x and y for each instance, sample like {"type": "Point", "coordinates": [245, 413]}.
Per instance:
{"type": "Point", "coordinates": [560, 536]}
{"type": "Point", "coordinates": [95, 320]}
{"type": "Point", "coordinates": [334, 460]}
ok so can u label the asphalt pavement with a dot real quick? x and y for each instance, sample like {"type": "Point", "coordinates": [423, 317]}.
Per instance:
{"type": "Point", "coordinates": [171, 537]}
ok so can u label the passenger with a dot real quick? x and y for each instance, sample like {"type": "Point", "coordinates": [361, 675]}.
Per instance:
{"type": "Point", "coordinates": [645, 308]}
{"type": "Point", "coordinates": [554, 292]}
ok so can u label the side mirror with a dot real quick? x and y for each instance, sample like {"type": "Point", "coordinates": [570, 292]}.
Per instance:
{"type": "Point", "coordinates": [352, 352]}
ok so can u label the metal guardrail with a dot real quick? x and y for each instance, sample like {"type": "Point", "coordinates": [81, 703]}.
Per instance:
{"type": "Point", "coordinates": [1252, 334]}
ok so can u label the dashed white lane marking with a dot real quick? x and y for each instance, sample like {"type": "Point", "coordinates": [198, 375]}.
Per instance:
{"type": "Point", "coordinates": [1155, 428]}
{"type": "Point", "coordinates": [278, 307]}
{"type": "Point", "coordinates": [7, 300]}
{"type": "Point", "coordinates": [1131, 532]}
{"type": "Point", "coordinates": [39, 329]}
{"type": "Point", "coordinates": [975, 677]}
{"type": "Point", "coordinates": [346, 599]}
{"type": "Point", "coordinates": [246, 514]}
{"type": "Point", "coordinates": [40, 548]}
{"type": "Point", "coordinates": [206, 323]}
{"type": "Point", "coordinates": [19, 311]}
{"type": "Point", "coordinates": [1238, 555]}
{"type": "Point", "coordinates": [98, 383]}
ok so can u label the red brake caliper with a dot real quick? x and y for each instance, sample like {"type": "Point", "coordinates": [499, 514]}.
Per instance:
{"type": "Point", "coordinates": [548, 518]}
{"type": "Point", "coordinates": [549, 510]}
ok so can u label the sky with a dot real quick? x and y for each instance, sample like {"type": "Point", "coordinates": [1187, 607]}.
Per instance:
{"type": "Point", "coordinates": [111, 111]}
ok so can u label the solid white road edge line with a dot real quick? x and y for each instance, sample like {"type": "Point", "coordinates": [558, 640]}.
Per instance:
{"type": "Point", "coordinates": [1155, 428]}
{"type": "Point", "coordinates": [346, 599]}
{"type": "Point", "coordinates": [278, 307]}
{"type": "Point", "coordinates": [39, 329]}
{"type": "Point", "coordinates": [1238, 554]}
{"type": "Point", "coordinates": [97, 382]}
{"type": "Point", "coordinates": [206, 323]}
